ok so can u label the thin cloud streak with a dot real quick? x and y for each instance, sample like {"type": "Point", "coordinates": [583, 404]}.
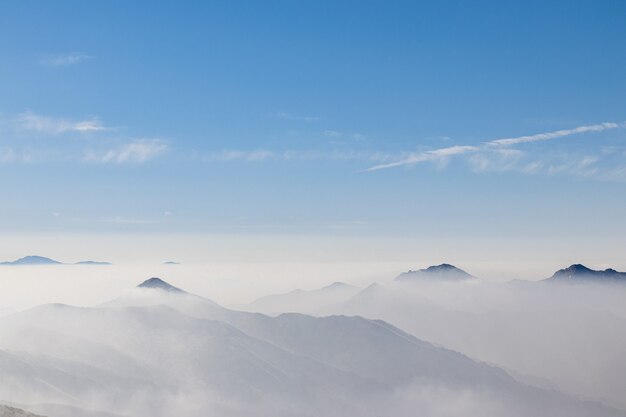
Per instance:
{"type": "Point", "coordinates": [229, 155]}
{"type": "Point", "coordinates": [553, 135]}
{"type": "Point", "coordinates": [443, 153]}
{"type": "Point", "coordinates": [54, 126]}
{"type": "Point", "coordinates": [289, 116]}
{"type": "Point", "coordinates": [64, 60]}
{"type": "Point", "coordinates": [435, 155]}
{"type": "Point", "coordinates": [136, 152]}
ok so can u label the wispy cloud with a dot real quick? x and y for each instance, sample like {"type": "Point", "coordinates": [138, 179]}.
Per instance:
{"type": "Point", "coordinates": [228, 155]}
{"type": "Point", "coordinates": [346, 135]}
{"type": "Point", "coordinates": [553, 135]}
{"type": "Point", "coordinates": [254, 155]}
{"type": "Point", "coordinates": [64, 60]}
{"type": "Point", "coordinates": [593, 166]}
{"type": "Point", "coordinates": [136, 152]}
{"type": "Point", "coordinates": [301, 118]}
{"type": "Point", "coordinates": [333, 133]}
{"type": "Point", "coordinates": [7, 155]}
{"type": "Point", "coordinates": [126, 220]}
{"type": "Point", "coordinates": [482, 155]}
{"type": "Point", "coordinates": [51, 125]}
{"type": "Point", "coordinates": [439, 155]}
{"type": "Point", "coordinates": [12, 155]}
{"type": "Point", "coordinates": [496, 159]}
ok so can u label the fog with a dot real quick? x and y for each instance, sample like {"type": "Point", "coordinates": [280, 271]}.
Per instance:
{"type": "Point", "coordinates": [227, 283]}
{"type": "Point", "coordinates": [559, 336]}
{"type": "Point", "coordinates": [84, 341]}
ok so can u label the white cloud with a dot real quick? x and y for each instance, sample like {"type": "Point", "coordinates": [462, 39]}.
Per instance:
{"type": "Point", "coordinates": [125, 220]}
{"type": "Point", "coordinates": [553, 135]}
{"type": "Point", "coordinates": [64, 60]}
{"type": "Point", "coordinates": [481, 160]}
{"type": "Point", "coordinates": [337, 134]}
{"type": "Point", "coordinates": [289, 116]}
{"type": "Point", "coordinates": [333, 133]}
{"type": "Point", "coordinates": [512, 160]}
{"type": "Point", "coordinates": [11, 155]}
{"type": "Point", "coordinates": [50, 125]}
{"type": "Point", "coordinates": [136, 152]}
{"type": "Point", "coordinates": [254, 155]}
{"type": "Point", "coordinates": [227, 155]}
{"type": "Point", "coordinates": [437, 155]}
{"type": "Point", "coordinates": [498, 159]}
{"type": "Point", "coordinates": [7, 155]}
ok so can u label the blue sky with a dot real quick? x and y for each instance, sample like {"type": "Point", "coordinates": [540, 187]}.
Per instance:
{"type": "Point", "coordinates": [314, 118]}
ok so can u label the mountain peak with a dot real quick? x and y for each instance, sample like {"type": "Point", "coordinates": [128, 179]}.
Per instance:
{"type": "Point", "coordinates": [443, 267]}
{"type": "Point", "coordinates": [337, 285]}
{"type": "Point", "coordinates": [32, 260]}
{"type": "Point", "coordinates": [578, 268]}
{"type": "Point", "coordinates": [159, 284]}
{"type": "Point", "coordinates": [580, 273]}
{"type": "Point", "coordinates": [443, 272]}
{"type": "Point", "coordinates": [92, 263]}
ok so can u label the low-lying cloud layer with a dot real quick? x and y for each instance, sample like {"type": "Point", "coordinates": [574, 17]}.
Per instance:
{"type": "Point", "coordinates": [159, 351]}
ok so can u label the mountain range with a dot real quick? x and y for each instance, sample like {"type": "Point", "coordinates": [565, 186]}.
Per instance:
{"type": "Point", "coordinates": [580, 273]}
{"type": "Point", "coordinates": [561, 334]}
{"type": "Point", "coordinates": [42, 260]}
{"type": "Point", "coordinates": [160, 351]}
{"type": "Point", "coordinates": [443, 272]}
{"type": "Point", "coordinates": [303, 300]}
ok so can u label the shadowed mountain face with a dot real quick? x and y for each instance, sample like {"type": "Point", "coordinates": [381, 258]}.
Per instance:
{"type": "Point", "coordinates": [443, 272]}
{"type": "Point", "coordinates": [580, 273]}
{"type": "Point", "coordinates": [32, 260]}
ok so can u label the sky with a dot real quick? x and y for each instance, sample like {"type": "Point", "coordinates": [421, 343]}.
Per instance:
{"type": "Point", "coordinates": [380, 131]}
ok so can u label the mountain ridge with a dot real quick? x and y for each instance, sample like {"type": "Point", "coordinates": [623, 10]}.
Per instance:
{"type": "Point", "coordinates": [582, 273]}
{"type": "Point", "coordinates": [43, 260]}
{"type": "Point", "coordinates": [441, 272]}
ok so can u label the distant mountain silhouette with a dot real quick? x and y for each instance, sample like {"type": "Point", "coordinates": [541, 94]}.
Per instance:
{"type": "Point", "coordinates": [93, 263]}
{"type": "Point", "coordinates": [32, 260]}
{"type": "Point", "coordinates": [443, 272]}
{"type": "Point", "coordinates": [580, 273]}
{"type": "Point", "coordinates": [303, 300]}
{"type": "Point", "coordinates": [42, 260]}
{"type": "Point", "coordinates": [171, 263]}
{"type": "Point", "coordinates": [159, 284]}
